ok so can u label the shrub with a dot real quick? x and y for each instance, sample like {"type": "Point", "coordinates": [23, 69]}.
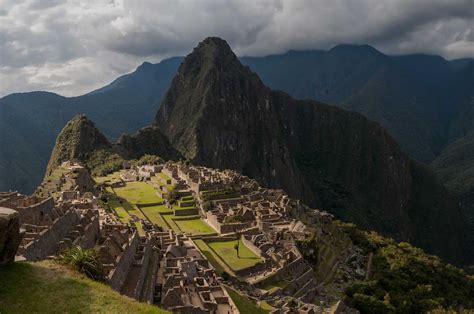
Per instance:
{"type": "Point", "coordinates": [84, 260]}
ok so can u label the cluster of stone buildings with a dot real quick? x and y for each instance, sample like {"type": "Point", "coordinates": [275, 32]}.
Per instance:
{"type": "Point", "coordinates": [165, 267]}
{"type": "Point", "coordinates": [238, 208]}
{"type": "Point", "coordinates": [50, 226]}
{"type": "Point", "coordinates": [188, 283]}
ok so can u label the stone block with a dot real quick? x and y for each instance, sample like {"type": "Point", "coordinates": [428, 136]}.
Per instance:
{"type": "Point", "coordinates": [10, 236]}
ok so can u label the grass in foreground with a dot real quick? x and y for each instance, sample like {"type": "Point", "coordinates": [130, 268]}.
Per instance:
{"type": "Point", "coordinates": [46, 287]}
{"type": "Point", "coordinates": [244, 304]}
{"type": "Point", "coordinates": [228, 253]}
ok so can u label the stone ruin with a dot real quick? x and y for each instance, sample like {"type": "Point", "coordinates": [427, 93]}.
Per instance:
{"type": "Point", "coordinates": [165, 267]}
{"type": "Point", "coordinates": [187, 281]}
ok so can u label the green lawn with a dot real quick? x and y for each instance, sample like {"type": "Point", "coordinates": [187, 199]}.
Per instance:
{"type": "Point", "coordinates": [138, 193]}
{"type": "Point", "coordinates": [140, 230]}
{"type": "Point", "coordinates": [272, 286]}
{"type": "Point", "coordinates": [244, 304]}
{"type": "Point", "coordinates": [108, 178]}
{"type": "Point", "coordinates": [122, 214]}
{"type": "Point", "coordinates": [213, 258]}
{"type": "Point", "coordinates": [227, 252]}
{"type": "Point", "coordinates": [164, 176]}
{"type": "Point", "coordinates": [155, 209]}
{"type": "Point", "coordinates": [170, 222]}
{"type": "Point", "coordinates": [154, 214]}
{"type": "Point", "coordinates": [194, 226]}
{"type": "Point", "coordinates": [46, 287]}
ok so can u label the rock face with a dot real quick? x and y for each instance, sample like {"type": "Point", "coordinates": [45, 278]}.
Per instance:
{"type": "Point", "coordinates": [219, 114]}
{"type": "Point", "coordinates": [10, 236]}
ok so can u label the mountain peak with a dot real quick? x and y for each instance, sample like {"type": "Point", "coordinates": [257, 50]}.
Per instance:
{"type": "Point", "coordinates": [210, 74]}
{"type": "Point", "coordinates": [212, 52]}
{"type": "Point", "coordinates": [215, 41]}
{"type": "Point", "coordinates": [145, 65]}
{"type": "Point", "coordinates": [355, 49]}
{"type": "Point", "coordinates": [78, 138]}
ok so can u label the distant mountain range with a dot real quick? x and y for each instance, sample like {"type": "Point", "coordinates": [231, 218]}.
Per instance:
{"type": "Point", "coordinates": [425, 102]}
{"type": "Point", "coordinates": [218, 113]}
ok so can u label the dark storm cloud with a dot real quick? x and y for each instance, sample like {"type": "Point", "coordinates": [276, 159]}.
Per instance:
{"type": "Point", "coordinates": [73, 46]}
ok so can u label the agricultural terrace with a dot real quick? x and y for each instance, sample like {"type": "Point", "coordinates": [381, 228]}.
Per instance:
{"type": "Point", "coordinates": [227, 253]}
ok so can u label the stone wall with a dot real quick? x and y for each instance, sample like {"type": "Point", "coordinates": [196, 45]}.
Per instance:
{"type": "Point", "coordinates": [259, 267]}
{"type": "Point", "coordinates": [224, 228]}
{"type": "Point", "coordinates": [33, 209]}
{"type": "Point", "coordinates": [252, 247]}
{"type": "Point", "coordinates": [144, 262]}
{"type": "Point", "coordinates": [120, 272]}
{"type": "Point", "coordinates": [186, 212]}
{"type": "Point", "coordinates": [48, 240]}
{"type": "Point", "coordinates": [91, 233]}
{"type": "Point", "coordinates": [234, 227]}
{"type": "Point", "coordinates": [285, 272]}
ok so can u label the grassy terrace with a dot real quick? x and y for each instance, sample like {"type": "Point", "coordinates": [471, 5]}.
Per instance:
{"type": "Point", "coordinates": [138, 193]}
{"type": "Point", "coordinates": [45, 287]}
{"type": "Point", "coordinates": [226, 251]}
{"type": "Point", "coordinates": [213, 258]}
{"type": "Point", "coordinates": [164, 176]}
{"type": "Point", "coordinates": [194, 226]}
{"type": "Point", "coordinates": [273, 286]}
{"type": "Point", "coordinates": [109, 178]}
{"type": "Point", "coordinates": [246, 305]}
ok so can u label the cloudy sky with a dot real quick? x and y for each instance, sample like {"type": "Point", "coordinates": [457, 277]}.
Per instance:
{"type": "Point", "coordinates": [71, 47]}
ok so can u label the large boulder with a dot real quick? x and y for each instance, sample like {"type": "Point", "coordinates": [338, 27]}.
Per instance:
{"type": "Point", "coordinates": [10, 236]}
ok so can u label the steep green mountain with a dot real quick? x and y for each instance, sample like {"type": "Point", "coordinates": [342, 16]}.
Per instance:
{"type": "Point", "coordinates": [30, 122]}
{"type": "Point", "coordinates": [77, 139]}
{"type": "Point", "coordinates": [81, 140]}
{"type": "Point", "coordinates": [219, 113]}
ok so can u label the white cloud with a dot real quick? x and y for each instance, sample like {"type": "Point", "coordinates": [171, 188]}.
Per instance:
{"type": "Point", "coordinates": [71, 47]}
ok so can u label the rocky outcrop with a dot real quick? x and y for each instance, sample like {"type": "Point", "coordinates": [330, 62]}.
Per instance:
{"type": "Point", "coordinates": [10, 236]}
{"type": "Point", "coordinates": [219, 114]}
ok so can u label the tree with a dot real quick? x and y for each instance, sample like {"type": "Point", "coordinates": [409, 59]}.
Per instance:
{"type": "Point", "coordinates": [236, 248]}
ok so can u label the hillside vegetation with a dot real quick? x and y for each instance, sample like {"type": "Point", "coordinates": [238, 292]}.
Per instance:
{"type": "Point", "coordinates": [404, 279]}
{"type": "Point", "coordinates": [47, 287]}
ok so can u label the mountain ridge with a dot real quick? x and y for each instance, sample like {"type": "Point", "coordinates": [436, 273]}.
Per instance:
{"type": "Point", "coordinates": [218, 113]}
